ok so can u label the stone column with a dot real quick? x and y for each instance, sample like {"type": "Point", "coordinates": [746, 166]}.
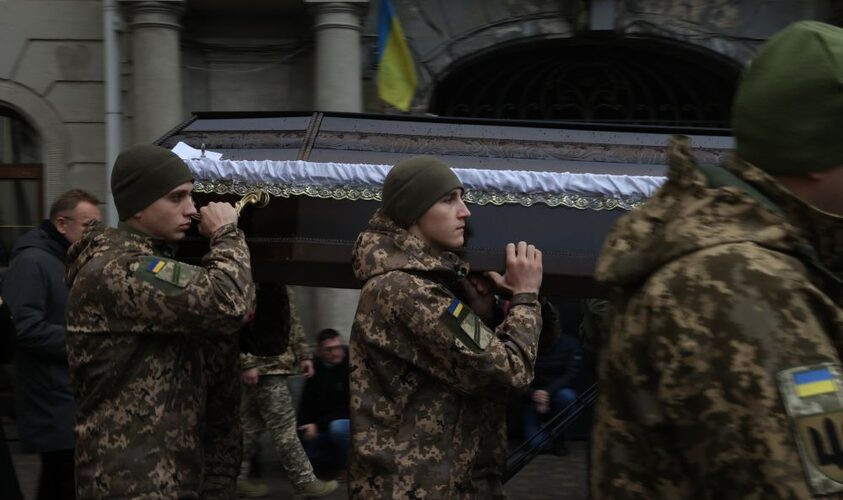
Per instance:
{"type": "Point", "coordinates": [337, 29]}
{"type": "Point", "coordinates": [338, 78]}
{"type": "Point", "coordinates": [156, 68]}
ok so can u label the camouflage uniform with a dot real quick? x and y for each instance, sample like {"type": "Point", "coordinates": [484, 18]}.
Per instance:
{"type": "Point", "coordinates": [726, 282]}
{"type": "Point", "coordinates": [268, 405]}
{"type": "Point", "coordinates": [135, 327]}
{"type": "Point", "coordinates": [428, 380]}
{"type": "Point", "coordinates": [222, 438]}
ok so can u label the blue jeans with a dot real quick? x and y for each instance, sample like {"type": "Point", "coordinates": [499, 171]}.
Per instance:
{"type": "Point", "coordinates": [533, 420]}
{"type": "Point", "coordinates": [330, 448]}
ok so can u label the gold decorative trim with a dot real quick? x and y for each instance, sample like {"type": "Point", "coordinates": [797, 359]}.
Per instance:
{"type": "Point", "coordinates": [577, 201]}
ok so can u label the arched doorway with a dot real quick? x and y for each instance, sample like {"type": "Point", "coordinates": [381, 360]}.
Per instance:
{"type": "Point", "coordinates": [20, 179]}
{"type": "Point", "coordinates": [597, 80]}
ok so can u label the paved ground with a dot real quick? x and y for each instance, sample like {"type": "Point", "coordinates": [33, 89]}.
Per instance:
{"type": "Point", "coordinates": [547, 477]}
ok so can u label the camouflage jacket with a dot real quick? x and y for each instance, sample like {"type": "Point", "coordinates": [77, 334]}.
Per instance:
{"type": "Point", "coordinates": [297, 348]}
{"type": "Point", "coordinates": [428, 380]}
{"type": "Point", "coordinates": [729, 301]}
{"type": "Point", "coordinates": [137, 326]}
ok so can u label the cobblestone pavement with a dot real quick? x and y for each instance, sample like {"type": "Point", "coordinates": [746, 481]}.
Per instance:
{"type": "Point", "coordinates": [546, 477]}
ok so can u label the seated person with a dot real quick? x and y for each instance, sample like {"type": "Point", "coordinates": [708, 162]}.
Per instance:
{"type": "Point", "coordinates": [323, 412]}
{"type": "Point", "coordinates": [557, 367]}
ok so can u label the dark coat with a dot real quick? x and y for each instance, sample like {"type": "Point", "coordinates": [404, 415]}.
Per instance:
{"type": "Point", "coordinates": [36, 293]}
{"type": "Point", "coordinates": [325, 396]}
{"type": "Point", "coordinates": [559, 366]}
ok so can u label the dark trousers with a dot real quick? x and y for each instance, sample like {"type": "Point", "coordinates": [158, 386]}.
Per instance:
{"type": "Point", "coordinates": [57, 480]}
{"type": "Point", "coordinates": [9, 488]}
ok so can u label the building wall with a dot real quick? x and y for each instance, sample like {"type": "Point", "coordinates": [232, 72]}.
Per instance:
{"type": "Point", "coordinates": [51, 56]}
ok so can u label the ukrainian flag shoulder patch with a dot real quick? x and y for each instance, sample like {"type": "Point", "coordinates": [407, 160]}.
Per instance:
{"type": "Point", "coordinates": [455, 309]}
{"type": "Point", "coordinates": [814, 382]}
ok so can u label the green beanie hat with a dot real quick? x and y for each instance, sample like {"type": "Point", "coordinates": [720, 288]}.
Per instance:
{"type": "Point", "coordinates": [788, 111]}
{"type": "Point", "coordinates": [414, 185]}
{"type": "Point", "coordinates": [144, 173]}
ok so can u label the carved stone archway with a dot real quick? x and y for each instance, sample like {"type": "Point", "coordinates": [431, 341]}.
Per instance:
{"type": "Point", "coordinates": [633, 80]}
{"type": "Point", "coordinates": [41, 115]}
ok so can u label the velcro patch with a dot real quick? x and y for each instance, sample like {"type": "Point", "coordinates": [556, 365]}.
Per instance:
{"type": "Point", "coordinates": [169, 275]}
{"type": "Point", "coordinates": [814, 403]}
{"type": "Point", "coordinates": [469, 331]}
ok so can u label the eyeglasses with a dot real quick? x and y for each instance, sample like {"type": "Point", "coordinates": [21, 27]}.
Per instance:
{"type": "Point", "coordinates": [87, 223]}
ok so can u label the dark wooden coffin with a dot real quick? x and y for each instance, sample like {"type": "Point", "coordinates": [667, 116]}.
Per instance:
{"type": "Point", "coordinates": [307, 239]}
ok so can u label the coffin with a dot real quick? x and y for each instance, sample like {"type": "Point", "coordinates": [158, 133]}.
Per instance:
{"type": "Point", "coordinates": [560, 186]}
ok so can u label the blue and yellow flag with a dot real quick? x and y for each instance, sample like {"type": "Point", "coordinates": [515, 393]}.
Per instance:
{"type": "Point", "coordinates": [814, 382]}
{"type": "Point", "coordinates": [396, 71]}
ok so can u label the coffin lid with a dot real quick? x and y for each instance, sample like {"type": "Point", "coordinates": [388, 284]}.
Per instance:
{"type": "Point", "coordinates": [305, 236]}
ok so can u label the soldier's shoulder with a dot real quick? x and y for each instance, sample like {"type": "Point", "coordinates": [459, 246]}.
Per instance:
{"type": "Point", "coordinates": [738, 264]}
{"type": "Point", "coordinates": [169, 275]}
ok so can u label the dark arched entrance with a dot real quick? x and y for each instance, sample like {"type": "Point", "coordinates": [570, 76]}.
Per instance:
{"type": "Point", "coordinates": [598, 80]}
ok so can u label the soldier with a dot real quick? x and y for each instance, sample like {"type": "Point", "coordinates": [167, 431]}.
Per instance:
{"type": "Point", "coordinates": [274, 347]}
{"type": "Point", "coordinates": [138, 322]}
{"type": "Point", "coordinates": [429, 380]}
{"type": "Point", "coordinates": [722, 373]}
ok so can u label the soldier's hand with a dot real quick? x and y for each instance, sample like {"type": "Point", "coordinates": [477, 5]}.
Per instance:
{"type": "Point", "coordinates": [478, 292]}
{"type": "Point", "coordinates": [308, 431]}
{"type": "Point", "coordinates": [214, 215]}
{"type": "Point", "coordinates": [523, 269]}
{"type": "Point", "coordinates": [250, 376]}
{"type": "Point", "coordinates": [307, 368]}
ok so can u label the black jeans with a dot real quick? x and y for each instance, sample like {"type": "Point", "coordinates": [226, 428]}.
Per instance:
{"type": "Point", "coordinates": [57, 479]}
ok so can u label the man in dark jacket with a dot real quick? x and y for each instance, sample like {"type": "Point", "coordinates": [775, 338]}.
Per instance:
{"type": "Point", "coordinates": [36, 294]}
{"type": "Point", "coordinates": [557, 368]}
{"type": "Point", "coordinates": [323, 412]}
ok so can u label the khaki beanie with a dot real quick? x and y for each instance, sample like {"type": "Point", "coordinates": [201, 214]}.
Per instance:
{"type": "Point", "coordinates": [788, 111]}
{"type": "Point", "coordinates": [414, 185]}
{"type": "Point", "coordinates": [144, 173]}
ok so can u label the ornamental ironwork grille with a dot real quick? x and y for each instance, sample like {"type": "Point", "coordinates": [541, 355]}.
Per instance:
{"type": "Point", "coordinates": [629, 81]}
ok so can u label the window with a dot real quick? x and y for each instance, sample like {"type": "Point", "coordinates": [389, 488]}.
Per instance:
{"type": "Point", "coordinates": [20, 180]}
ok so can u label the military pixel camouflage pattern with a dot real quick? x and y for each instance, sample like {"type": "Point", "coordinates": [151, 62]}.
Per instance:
{"type": "Point", "coordinates": [720, 291]}
{"type": "Point", "coordinates": [427, 404]}
{"type": "Point", "coordinates": [297, 349]}
{"type": "Point", "coordinates": [268, 405]}
{"type": "Point", "coordinates": [135, 347]}
{"type": "Point", "coordinates": [222, 437]}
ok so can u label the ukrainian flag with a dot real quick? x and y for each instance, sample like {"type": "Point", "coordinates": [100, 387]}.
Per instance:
{"type": "Point", "coordinates": [814, 382]}
{"type": "Point", "coordinates": [396, 71]}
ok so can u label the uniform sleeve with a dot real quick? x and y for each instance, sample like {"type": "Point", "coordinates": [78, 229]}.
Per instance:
{"type": "Point", "coordinates": [222, 436]}
{"type": "Point", "coordinates": [689, 383]}
{"type": "Point", "coordinates": [215, 298]}
{"type": "Point", "coordinates": [298, 340]}
{"type": "Point", "coordinates": [28, 305]}
{"type": "Point", "coordinates": [505, 362]}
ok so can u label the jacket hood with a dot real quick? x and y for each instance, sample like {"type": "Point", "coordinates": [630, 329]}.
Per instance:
{"type": "Point", "coordinates": [92, 243]}
{"type": "Point", "coordinates": [44, 237]}
{"type": "Point", "coordinates": [693, 211]}
{"type": "Point", "coordinates": [385, 247]}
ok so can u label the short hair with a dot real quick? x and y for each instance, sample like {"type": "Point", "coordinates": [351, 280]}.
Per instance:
{"type": "Point", "coordinates": [326, 334]}
{"type": "Point", "coordinates": [69, 200]}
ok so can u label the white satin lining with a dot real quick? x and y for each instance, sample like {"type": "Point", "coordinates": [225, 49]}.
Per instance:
{"type": "Point", "coordinates": [304, 174]}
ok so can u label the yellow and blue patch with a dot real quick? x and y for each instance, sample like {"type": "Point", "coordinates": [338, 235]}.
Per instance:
{"type": "Point", "coordinates": [814, 382]}
{"type": "Point", "coordinates": [455, 308]}
{"type": "Point", "coordinates": [156, 265]}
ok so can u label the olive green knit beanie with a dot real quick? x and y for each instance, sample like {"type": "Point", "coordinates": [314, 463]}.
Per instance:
{"type": "Point", "coordinates": [414, 185]}
{"type": "Point", "coordinates": [144, 173]}
{"type": "Point", "coordinates": [788, 112]}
